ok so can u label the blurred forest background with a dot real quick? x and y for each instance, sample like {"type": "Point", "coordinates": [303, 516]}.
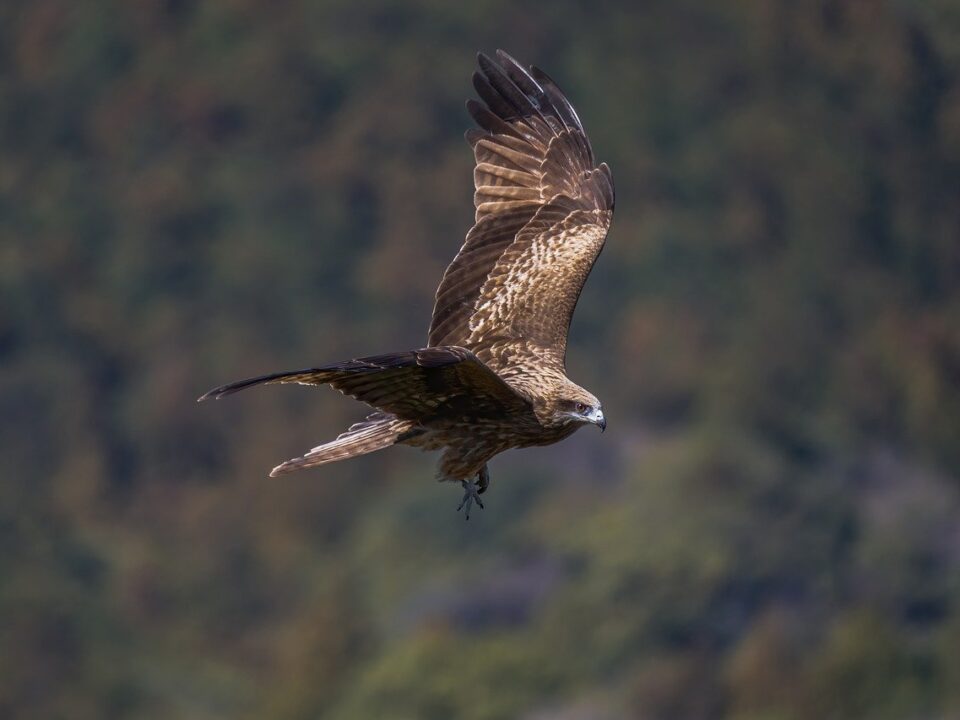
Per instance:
{"type": "Point", "coordinates": [196, 192]}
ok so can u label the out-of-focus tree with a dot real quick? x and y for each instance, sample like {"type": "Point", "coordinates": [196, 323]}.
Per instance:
{"type": "Point", "coordinates": [197, 191]}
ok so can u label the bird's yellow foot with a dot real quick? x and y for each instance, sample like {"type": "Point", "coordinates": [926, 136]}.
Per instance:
{"type": "Point", "coordinates": [471, 495]}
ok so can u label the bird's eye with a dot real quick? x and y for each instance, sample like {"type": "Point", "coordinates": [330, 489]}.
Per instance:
{"type": "Point", "coordinates": [581, 408]}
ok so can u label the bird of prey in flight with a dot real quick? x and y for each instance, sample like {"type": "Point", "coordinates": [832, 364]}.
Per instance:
{"type": "Point", "coordinates": [492, 375]}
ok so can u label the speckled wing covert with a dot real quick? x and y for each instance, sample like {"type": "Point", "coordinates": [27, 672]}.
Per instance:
{"type": "Point", "coordinates": [543, 209]}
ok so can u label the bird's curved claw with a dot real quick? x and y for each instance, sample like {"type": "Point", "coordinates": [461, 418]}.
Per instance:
{"type": "Point", "coordinates": [471, 495]}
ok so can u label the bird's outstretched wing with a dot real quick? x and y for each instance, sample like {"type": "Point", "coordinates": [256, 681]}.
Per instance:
{"type": "Point", "coordinates": [543, 209]}
{"type": "Point", "coordinates": [419, 385]}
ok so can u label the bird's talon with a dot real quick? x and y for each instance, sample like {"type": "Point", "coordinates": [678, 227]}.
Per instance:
{"type": "Point", "coordinates": [470, 496]}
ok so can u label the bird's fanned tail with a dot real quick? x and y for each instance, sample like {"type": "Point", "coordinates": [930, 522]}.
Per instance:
{"type": "Point", "coordinates": [378, 431]}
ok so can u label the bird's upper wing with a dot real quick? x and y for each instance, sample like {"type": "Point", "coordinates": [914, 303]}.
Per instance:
{"type": "Point", "coordinates": [419, 385]}
{"type": "Point", "coordinates": [542, 213]}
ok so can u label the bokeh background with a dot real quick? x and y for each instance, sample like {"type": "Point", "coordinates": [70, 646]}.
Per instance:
{"type": "Point", "coordinates": [196, 192]}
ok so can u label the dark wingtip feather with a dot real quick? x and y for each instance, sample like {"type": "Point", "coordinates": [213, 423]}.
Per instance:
{"type": "Point", "coordinates": [485, 62]}
{"type": "Point", "coordinates": [499, 105]}
{"type": "Point", "coordinates": [565, 110]}
{"type": "Point", "coordinates": [229, 389]}
{"type": "Point", "coordinates": [490, 121]}
{"type": "Point", "coordinates": [475, 109]}
{"type": "Point", "coordinates": [216, 393]}
{"type": "Point", "coordinates": [510, 92]}
{"type": "Point", "coordinates": [522, 78]}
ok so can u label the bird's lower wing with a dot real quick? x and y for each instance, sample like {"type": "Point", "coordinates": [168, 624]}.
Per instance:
{"type": "Point", "coordinates": [418, 385]}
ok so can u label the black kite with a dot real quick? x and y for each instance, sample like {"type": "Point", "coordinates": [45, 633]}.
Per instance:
{"type": "Point", "coordinates": [492, 375]}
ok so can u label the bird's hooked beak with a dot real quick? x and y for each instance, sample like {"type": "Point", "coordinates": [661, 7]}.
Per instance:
{"type": "Point", "coordinates": [597, 418]}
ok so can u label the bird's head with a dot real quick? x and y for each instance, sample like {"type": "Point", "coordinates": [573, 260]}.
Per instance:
{"type": "Point", "coordinates": [576, 406]}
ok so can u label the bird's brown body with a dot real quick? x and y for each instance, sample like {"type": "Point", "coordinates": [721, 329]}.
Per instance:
{"type": "Point", "coordinates": [492, 375]}
{"type": "Point", "coordinates": [468, 443]}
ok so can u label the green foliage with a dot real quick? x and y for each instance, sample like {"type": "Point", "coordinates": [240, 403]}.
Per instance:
{"type": "Point", "coordinates": [197, 192]}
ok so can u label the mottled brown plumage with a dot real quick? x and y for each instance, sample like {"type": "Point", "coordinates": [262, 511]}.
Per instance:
{"type": "Point", "coordinates": [492, 377]}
